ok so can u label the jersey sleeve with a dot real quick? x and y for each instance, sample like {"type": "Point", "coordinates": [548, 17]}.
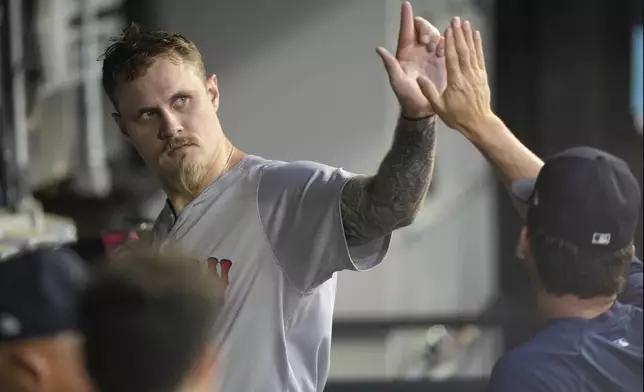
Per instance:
{"type": "Point", "coordinates": [633, 291]}
{"type": "Point", "coordinates": [299, 207]}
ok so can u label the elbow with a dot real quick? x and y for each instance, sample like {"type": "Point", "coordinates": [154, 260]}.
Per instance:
{"type": "Point", "coordinates": [396, 218]}
{"type": "Point", "coordinates": [407, 221]}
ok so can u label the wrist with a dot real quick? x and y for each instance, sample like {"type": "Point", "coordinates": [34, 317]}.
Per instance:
{"type": "Point", "coordinates": [417, 116]}
{"type": "Point", "coordinates": [484, 127]}
{"type": "Point", "coordinates": [415, 112]}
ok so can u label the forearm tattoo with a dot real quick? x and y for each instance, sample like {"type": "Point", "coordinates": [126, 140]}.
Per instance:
{"type": "Point", "coordinates": [373, 207]}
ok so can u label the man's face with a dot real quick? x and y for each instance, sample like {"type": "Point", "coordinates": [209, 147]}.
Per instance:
{"type": "Point", "coordinates": [524, 253]}
{"type": "Point", "coordinates": [169, 114]}
{"type": "Point", "coordinates": [44, 365]}
{"type": "Point", "coordinates": [69, 367]}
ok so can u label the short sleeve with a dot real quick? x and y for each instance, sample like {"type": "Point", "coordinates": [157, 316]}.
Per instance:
{"type": "Point", "coordinates": [299, 207]}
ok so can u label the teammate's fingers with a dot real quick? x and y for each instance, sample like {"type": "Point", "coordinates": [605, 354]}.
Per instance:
{"type": "Point", "coordinates": [469, 39]}
{"type": "Point", "coordinates": [451, 57]}
{"type": "Point", "coordinates": [460, 44]}
{"type": "Point", "coordinates": [390, 62]}
{"type": "Point", "coordinates": [430, 92]}
{"type": "Point", "coordinates": [406, 34]}
{"type": "Point", "coordinates": [480, 56]}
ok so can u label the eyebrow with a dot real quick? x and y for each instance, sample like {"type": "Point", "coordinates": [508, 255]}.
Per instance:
{"type": "Point", "coordinates": [174, 97]}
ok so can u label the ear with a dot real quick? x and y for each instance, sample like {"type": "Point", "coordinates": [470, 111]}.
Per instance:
{"type": "Point", "coordinates": [34, 369]}
{"type": "Point", "coordinates": [119, 122]}
{"type": "Point", "coordinates": [213, 90]}
{"type": "Point", "coordinates": [523, 244]}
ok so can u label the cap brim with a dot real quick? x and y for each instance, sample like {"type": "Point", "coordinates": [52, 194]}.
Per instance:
{"type": "Point", "coordinates": [522, 189]}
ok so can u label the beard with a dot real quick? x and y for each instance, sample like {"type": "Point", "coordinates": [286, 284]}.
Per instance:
{"type": "Point", "coordinates": [190, 177]}
{"type": "Point", "coordinates": [184, 176]}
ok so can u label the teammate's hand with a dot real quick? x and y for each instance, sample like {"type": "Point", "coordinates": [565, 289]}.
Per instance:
{"type": "Point", "coordinates": [466, 100]}
{"type": "Point", "coordinates": [420, 52]}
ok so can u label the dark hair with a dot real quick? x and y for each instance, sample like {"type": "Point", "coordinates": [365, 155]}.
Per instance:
{"type": "Point", "coordinates": [135, 50]}
{"type": "Point", "coordinates": [563, 268]}
{"type": "Point", "coordinates": [146, 319]}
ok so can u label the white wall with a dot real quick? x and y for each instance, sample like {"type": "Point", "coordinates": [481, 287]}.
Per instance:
{"type": "Point", "coordinates": [301, 80]}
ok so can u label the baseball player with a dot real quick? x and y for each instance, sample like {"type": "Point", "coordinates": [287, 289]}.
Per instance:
{"type": "Point", "coordinates": [274, 232]}
{"type": "Point", "coordinates": [582, 208]}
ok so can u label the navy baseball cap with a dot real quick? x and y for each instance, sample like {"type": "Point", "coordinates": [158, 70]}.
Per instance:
{"type": "Point", "coordinates": [38, 293]}
{"type": "Point", "coordinates": [585, 196]}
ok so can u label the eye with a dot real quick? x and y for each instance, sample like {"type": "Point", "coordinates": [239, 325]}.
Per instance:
{"type": "Point", "coordinates": [181, 102]}
{"type": "Point", "coordinates": [148, 114]}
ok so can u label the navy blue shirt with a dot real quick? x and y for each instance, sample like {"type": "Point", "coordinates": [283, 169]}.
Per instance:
{"type": "Point", "coordinates": [603, 354]}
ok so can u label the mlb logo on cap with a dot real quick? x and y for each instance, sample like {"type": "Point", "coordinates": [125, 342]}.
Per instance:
{"type": "Point", "coordinates": [601, 239]}
{"type": "Point", "coordinates": [9, 325]}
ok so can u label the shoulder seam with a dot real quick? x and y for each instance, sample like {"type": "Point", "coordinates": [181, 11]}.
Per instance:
{"type": "Point", "coordinates": [270, 246]}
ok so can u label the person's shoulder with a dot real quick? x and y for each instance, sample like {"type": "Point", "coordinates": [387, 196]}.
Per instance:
{"type": "Point", "coordinates": [532, 351]}
{"type": "Point", "coordinates": [544, 363]}
{"type": "Point", "coordinates": [279, 175]}
{"type": "Point", "coordinates": [546, 350]}
{"type": "Point", "coordinates": [633, 321]}
{"type": "Point", "coordinates": [559, 336]}
{"type": "Point", "coordinates": [294, 168]}
{"type": "Point", "coordinates": [523, 368]}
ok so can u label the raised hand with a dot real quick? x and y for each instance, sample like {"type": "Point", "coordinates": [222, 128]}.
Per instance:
{"type": "Point", "coordinates": [420, 53]}
{"type": "Point", "coordinates": [466, 100]}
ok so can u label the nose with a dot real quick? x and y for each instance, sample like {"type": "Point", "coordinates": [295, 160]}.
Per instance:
{"type": "Point", "coordinates": [170, 125]}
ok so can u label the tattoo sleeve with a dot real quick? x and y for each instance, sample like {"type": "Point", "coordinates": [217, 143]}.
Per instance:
{"type": "Point", "coordinates": [373, 207]}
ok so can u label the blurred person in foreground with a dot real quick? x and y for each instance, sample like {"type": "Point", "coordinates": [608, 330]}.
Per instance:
{"type": "Point", "coordinates": [40, 346]}
{"type": "Point", "coordinates": [275, 232]}
{"type": "Point", "coordinates": [149, 322]}
{"type": "Point", "coordinates": [581, 208]}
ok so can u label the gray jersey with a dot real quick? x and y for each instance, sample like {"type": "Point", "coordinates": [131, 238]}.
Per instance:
{"type": "Point", "coordinates": [273, 231]}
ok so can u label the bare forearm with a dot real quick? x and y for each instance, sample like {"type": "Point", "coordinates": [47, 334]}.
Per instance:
{"type": "Point", "coordinates": [373, 207]}
{"type": "Point", "coordinates": [510, 158]}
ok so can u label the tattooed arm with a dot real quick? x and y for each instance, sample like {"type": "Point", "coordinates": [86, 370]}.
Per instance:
{"type": "Point", "coordinates": [373, 207]}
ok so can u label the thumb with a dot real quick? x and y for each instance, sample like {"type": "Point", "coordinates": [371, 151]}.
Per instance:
{"type": "Point", "coordinates": [430, 92]}
{"type": "Point", "coordinates": [391, 63]}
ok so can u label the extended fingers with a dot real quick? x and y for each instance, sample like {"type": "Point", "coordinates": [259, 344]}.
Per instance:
{"type": "Point", "coordinates": [451, 57]}
{"type": "Point", "coordinates": [460, 44]}
{"type": "Point", "coordinates": [406, 35]}
{"type": "Point", "coordinates": [469, 40]}
{"type": "Point", "coordinates": [478, 44]}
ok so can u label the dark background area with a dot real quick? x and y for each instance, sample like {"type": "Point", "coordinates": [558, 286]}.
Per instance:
{"type": "Point", "coordinates": [563, 79]}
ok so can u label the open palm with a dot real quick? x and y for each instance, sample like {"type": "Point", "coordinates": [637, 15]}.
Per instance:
{"type": "Point", "coordinates": [420, 52]}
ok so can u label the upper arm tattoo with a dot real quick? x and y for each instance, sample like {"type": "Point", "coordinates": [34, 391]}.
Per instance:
{"type": "Point", "coordinates": [373, 207]}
